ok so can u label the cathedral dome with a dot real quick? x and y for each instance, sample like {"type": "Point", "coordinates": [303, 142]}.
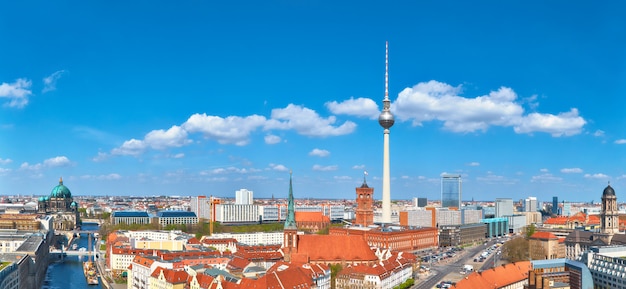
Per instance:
{"type": "Point", "coordinates": [61, 191]}
{"type": "Point", "coordinates": [608, 191]}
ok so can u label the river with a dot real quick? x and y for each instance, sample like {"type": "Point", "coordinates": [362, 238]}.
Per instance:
{"type": "Point", "coordinates": [68, 273]}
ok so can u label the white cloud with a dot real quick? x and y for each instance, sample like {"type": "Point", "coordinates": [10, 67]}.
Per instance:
{"type": "Point", "coordinates": [362, 107]}
{"type": "Point", "coordinates": [358, 167]}
{"type": "Point", "coordinates": [230, 130]}
{"type": "Point", "coordinates": [5, 161]}
{"type": "Point", "coordinates": [435, 100]}
{"type": "Point", "coordinates": [319, 153]}
{"type": "Point", "coordinates": [17, 92]}
{"type": "Point", "coordinates": [131, 147]}
{"type": "Point", "coordinates": [492, 178]}
{"type": "Point", "coordinates": [277, 167]}
{"type": "Point", "coordinates": [108, 177]}
{"type": "Point", "coordinates": [546, 178]}
{"type": "Point", "coordinates": [571, 170]}
{"type": "Point", "coordinates": [474, 164]}
{"type": "Point", "coordinates": [161, 139]}
{"type": "Point", "coordinates": [178, 156]}
{"type": "Point", "coordinates": [59, 161]}
{"type": "Point", "coordinates": [563, 124]}
{"type": "Point", "coordinates": [342, 178]}
{"type": "Point", "coordinates": [4, 171]}
{"type": "Point", "coordinates": [620, 141]}
{"type": "Point", "coordinates": [229, 170]}
{"type": "Point", "coordinates": [596, 176]}
{"type": "Point", "coordinates": [100, 157]}
{"type": "Point", "coordinates": [544, 170]}
{"type": "Point", "coordinates": [50, 81]}
{"type": "Point", "coordinates": [598, 133]}
{"type": "Point", "coordinates": [321, 168]}
{"type": "Point", "coordinates": [307, 122]}
{"type": "Point", "coordinates": [272, 139]}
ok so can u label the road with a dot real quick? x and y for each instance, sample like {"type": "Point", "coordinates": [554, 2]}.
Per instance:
{"type": "Point", "coordinates": [440, 271]}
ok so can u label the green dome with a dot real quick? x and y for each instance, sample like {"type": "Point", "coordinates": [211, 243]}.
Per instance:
{"type": "Point", "coordinates": [60, 191]}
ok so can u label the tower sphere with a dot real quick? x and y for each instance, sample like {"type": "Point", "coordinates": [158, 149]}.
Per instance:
{"type": "Point", "coordinates": [386, 119]}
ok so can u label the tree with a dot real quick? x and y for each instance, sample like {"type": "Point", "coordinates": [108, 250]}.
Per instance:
{"type": "Point", "coordinates": [530, 230]}
{"type": "Point", "coordinates": [516, 250]}
{"type": "Point", "coordinates": [334, 270]}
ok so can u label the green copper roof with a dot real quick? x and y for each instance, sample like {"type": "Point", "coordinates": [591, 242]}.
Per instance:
{"type": "Point", "coordinates": [60, 191]}
{"type": "Point", "coordinates": [290, 222]}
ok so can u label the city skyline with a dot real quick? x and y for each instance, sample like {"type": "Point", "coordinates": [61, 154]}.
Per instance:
{"type": "Point", "coordinates": [520, 99]}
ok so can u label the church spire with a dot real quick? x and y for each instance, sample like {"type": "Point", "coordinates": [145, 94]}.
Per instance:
{"type": "Point", "coordinates": [290, 222]}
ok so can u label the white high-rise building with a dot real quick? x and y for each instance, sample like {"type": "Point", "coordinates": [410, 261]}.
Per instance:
{"type": "Point", "coordinates": [504, 207]}
{"type": "Point", "coordinates": [244, 197]}
{"type": "Point", "coordinates": [530, 204]}
{"type": "Point", "coordinates": [201, 205]}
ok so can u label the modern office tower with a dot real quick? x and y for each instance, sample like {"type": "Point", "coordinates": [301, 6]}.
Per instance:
{"type": "Point", "coordinates": [450, 191]}
{"type": "Point", "coordinates": [201, 205]}
{"type": "Point", "coordinates": [555, 205]}
{"type": "Point", "coordinates": [567, 209]}
{"type": "Point", "coordinates": [422, 202]}
{"type": "Point", "coordinates": [530, 204]}
{"type": "Point", "coordinates": [386, 120]}
{"type": "Point", "coordinates": [243, 197]}
{"type": "Point", "coordinates": [504, 207]}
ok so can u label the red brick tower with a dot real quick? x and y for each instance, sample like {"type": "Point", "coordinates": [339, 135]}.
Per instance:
{"type": "Point", "coordinates": [365, 205]}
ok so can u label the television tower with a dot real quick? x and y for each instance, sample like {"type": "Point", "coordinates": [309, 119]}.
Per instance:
{"type": "Point", "coordinates": [386, 121]}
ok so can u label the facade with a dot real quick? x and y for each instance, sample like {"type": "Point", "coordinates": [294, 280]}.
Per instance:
{"type": "Point", "coordinates": [451, 191]}
{"type": "Point", "coordinates": [232, 213]}
{"type": "Point", "coordinates": [517, 223]}
{"type": "Point", "coordinates": [364, 214]}
{"type": "Point", "coordinates": [312, 221]}
{"type": "Point", "coordinates": [496, 227]}
{"type": "Point", "coordinates": [607, 266]}
{"type": "Point", "coordinates": [244, 197]}
{"type": "Point", "coordinates": [504, 207]}
{"type": "Point", "coordinates": [545, 246]}
{"type": "Point", "coordinates": [165, 218]}
{"type": "Point", "coordinates": [471, 216]}
{"type": "Point", "coordinates": [452, 236]}
{"type": "Point", "coordinates": [447, 217]}
{"type": "Point", "coordinates": [422, 202]}
{"type": "Point", "coordinates": [60, 203]}
{"type": "Point", "coordinates": [130, 217]}
{"type": "Point", "coordinates": [530, 204]}
{"type": "Point", "coordinates": [400, 240]}
{"type": "Point", "coordinates": [609, 216]}
{"type": "Point", "coordinates": [555, 205]}
{"type": "Point", "coordinates": [201, 205]}
{"type": "Point", "coordinates": [258, 238]}
{"type": "Point", "coordinates": [418, 217]}
{"type": "Point", "coordinates": [564, 272]}
{"type": "Point", "coordinates": [387, 274]}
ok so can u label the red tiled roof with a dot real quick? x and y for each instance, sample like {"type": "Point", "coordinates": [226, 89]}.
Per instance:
{"type": "Point", "coordinates": [311, 217]}
{"type": "Point", "coordinates": [338, 248]}
{"type": "Point", "coordinates": [498, 277]}
{"type": "Point", "coordinates": [543, 235]}
{"type": "Point", "coordinates": [171, 276]}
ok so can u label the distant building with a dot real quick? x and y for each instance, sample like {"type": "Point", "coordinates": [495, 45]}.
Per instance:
{"type": "Point", "coordinates": [607, 266]}
{"type": "Point", "coordinates": [450, 191]}
{"type": "Point", "coordinates": [496, 227]}
{"type": "Point", "coordinates": [452, 236]}
{"type": "Point", "coordinates": [417, 218]}
{"type": "Point", "coordinates": [201, 205]}
{"type": "Point", "coordinates": [244, 197]}
{"type": "Point", "coordinates": [233, 213]}
{"type": "Point", "coordinates": [364, 213]}
{"type": "Point", "coordinates": [470, 216]}
{"type": "Point", "coordinates": [504, 207]}
{"type": "Point", "coordinates": [530, 204]}
{"type": "Point", "coordinates": [446, 217]}
{"type": "Point", "coordinates": [545, 245]}
{"type": "Point", "coordinates": [555, 205]}
{"type": "Point", "coordinates": [130, 217]}
{"type": "Point", "coordinates": [60, 203]}
{"type": "Point", "coordinates": [165, 218]}
{"type": "Point", "coordinates": [422, 202]}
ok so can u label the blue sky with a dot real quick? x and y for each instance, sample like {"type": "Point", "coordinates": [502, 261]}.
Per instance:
{"type": "Point", "coordinates": [522, 98]}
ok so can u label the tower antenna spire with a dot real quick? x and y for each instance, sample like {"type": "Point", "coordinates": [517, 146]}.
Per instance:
{"type": "Point", "coordinates": [386, 70]}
